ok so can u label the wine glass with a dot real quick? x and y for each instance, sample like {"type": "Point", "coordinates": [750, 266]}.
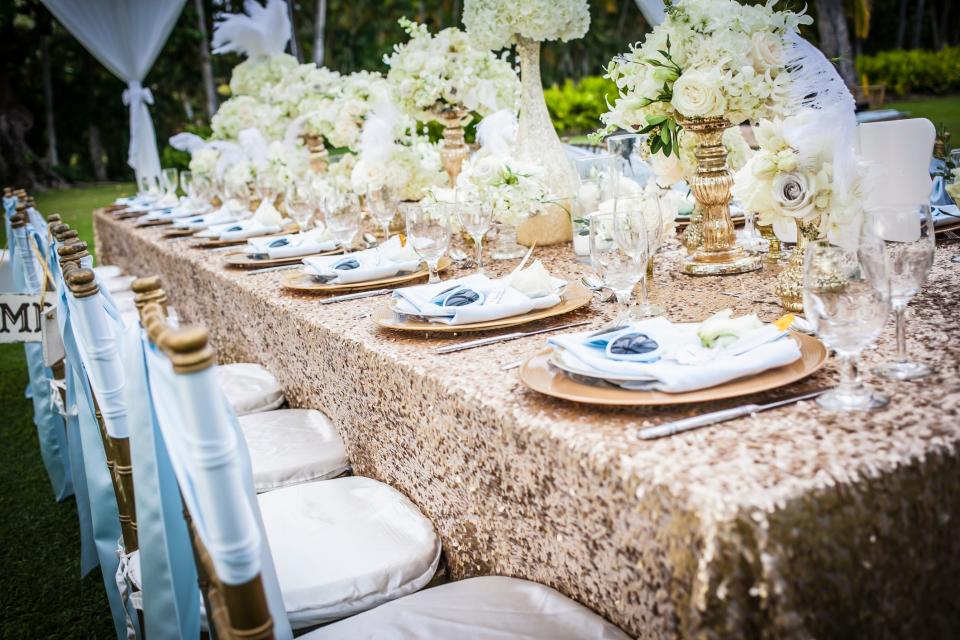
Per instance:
{"type": "Point", "coordinates": [614, 266]}
{"type": "Point", "coordinates": [477, 218]}
{"type": "Point", "coordinates": [638, 229]}
{"type": "Point", "coordinates": [299, 202]}
{"type": "Point", "coordinates": [383, 202]}
{"type": "Point", "coordinates": [846, 297]}
{"type": "Point", "coordinates": [597, 184]}
{"type": "Point", "coordinates": [342, 215]}
{"type": "Point", "coordinates": [428, 230]}
{"type": "Point", "coordinates": [631, 153]}
{"type": "Point", "coordinates": [187, 184]}
{"type": "Point", "coordinates": [169, 180]}
{"type": "Point", "coordinates": [907, 233]}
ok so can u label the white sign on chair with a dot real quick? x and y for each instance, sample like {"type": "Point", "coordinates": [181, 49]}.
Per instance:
{"type": "Point", "coordinates": [20, 315]}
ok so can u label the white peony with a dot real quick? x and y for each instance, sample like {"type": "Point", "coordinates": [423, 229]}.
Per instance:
{"type": "Point", "coordinates": [494, 24]}
{"type": "Point", "coordinates": [698, 94]}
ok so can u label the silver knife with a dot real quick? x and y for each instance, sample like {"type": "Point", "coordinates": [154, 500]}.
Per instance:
{"type": "Point", "coordinates": [282, 267]}
{"type": "Point", "coordinates": [355, 296]}
{"type": "Point", "coordinates": [482, 342]}
{"type": "Point", "coordinates": [715, 417]}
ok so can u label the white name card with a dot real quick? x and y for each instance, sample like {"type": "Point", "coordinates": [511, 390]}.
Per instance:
{"type": "Point", "coordinates": [20, 315]}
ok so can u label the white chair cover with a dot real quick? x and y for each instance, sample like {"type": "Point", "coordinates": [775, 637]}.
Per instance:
{"type": "Point", "coordinates": [898, 155]}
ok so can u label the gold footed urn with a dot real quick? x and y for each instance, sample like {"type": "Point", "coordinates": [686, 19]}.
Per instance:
{"type": "Point", "coordinates": [319, 156]}
{"type": "Point", "coordinates": [454, 150]}
{"type": "Point", "coordinates": [789, 286]}
{"type": "Point", "coordinates": [718, 252]}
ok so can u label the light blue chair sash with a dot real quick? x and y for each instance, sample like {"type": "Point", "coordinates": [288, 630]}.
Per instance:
{"type": "Point", "coordinates": [104, 515]}
{"type": "Point", "coordinates": [170, 593]}
{"type": "Point", "coordinates": [50, 426]}
{"type": "Point", "coordinates": [175, 404]}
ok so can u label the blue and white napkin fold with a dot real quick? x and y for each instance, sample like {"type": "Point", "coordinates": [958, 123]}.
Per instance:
{"type": "Point", "coordinates": [497, 300]}
{"type": "Point", "coordinates": [221, 216]}
{"type": "Point", "coordinates": [388, 260]}
{"type": "Point", "coordinates": [293, 245]}
{"type": "Point", "coordinates": [683, 364]}
{"type": "Point", "coordinates": [239, 230]}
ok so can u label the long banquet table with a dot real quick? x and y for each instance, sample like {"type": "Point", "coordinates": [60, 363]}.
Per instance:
{"type": "Point", "coordinates": [790, 523]}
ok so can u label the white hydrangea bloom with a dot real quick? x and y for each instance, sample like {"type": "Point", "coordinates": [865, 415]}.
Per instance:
{"type": "Point", "coordinates": [494, 24]}
{"type": "Point", "coordinates": [513, 188]}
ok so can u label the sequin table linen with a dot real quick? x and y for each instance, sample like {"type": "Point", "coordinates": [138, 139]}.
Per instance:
{"type": "Point", "coordinates": [790, 523]}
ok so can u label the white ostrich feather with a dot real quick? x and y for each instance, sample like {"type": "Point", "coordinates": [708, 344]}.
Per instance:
{"type": "Point", "coordinates": [378, 135]}
{"type": "Point", "coordinates": [498, 131]}
{"type": "Point", "coordinates": [254, 146]}
{"type": "Point", "coordinates": [292, 132]}
{"type": "Point", "coordinates": [189, 142]}
{"type": "Point", "coordinates": [230, 154]}
{"type": "Point", "coordinates": [262, 31]}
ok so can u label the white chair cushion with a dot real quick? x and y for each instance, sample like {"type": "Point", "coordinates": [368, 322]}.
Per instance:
{"type": "Point", "coordinates": [292, 446]}
{"type": "Point", "coordinates": [107, 271]}
{"type": "Point", "coordinates": [488, 608]}
{"type": "Point", "coordinates": [118, 284]}
{"type": "Point", "coordinates": [249, 387]}
{"type": "Point", "coordinates": [346, 545]}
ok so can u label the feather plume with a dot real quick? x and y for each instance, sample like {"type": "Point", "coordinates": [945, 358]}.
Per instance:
{"type": "Point", "coordinates": [498, 131]}
{"type": "Point", "coordinates": [292, 132]}
{"type": "Point", "coordinates": [230, 154]}
{"type": "Point", "coordinates": [189, 142]}
{"type": "Point", "coordinates": [262, 31]}
{"type": "Point", "coordinates": [378, 135]}
{"type": "Point", "coordinates": [254, 146]}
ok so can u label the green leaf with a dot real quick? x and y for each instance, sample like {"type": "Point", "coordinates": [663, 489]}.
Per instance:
{"type": "Point", "coordinates": [656, 119]}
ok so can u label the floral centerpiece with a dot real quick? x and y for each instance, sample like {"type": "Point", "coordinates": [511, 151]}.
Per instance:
{"type": "Point", "coordinates": [497, 24]}
{"type": "Point", "coordinates": [411, 167]}
{"type": "Point", "coordinates": [446, 77]}
{"type": "Point", "coordinates": [953, 189]}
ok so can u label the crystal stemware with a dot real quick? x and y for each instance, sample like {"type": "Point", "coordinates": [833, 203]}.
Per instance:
{"type": "Point", "coordinates": [299, 203]}
{"type": "Point", "coordinates": [428, 231]}
{"type": "Point", "coordinates": [597, 185]}
{"type": "Point", "coordinates": [631, 152]}
{"type": "Point", "coordinates": [477, 218]}
{"type": "Point", "coordinates": [846, 297]}
{"type": "Point", "coordinates": [638, 227]}
{"type": "Point", "coordinates": [170, 180]}
{"type": "Point", "coordinates": [342, 215]}
{"type": "Point", "coordinates": [186, 183]}
{"type": "Point", "coordinates": [383, 202]}
{"type": "Point", "coordinates": [907, 234]}
{"type": "Point", "coordinates": [615, 267]}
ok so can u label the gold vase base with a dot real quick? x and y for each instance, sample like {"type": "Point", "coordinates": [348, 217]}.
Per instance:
{"type": "Point", "coordinates": [701, 264]}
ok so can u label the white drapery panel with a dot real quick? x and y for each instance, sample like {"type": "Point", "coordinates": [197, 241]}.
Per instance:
{"type": "Point", "coordinates": [652, 11]}
{"type": "Point", "coordinates": [125, 36]}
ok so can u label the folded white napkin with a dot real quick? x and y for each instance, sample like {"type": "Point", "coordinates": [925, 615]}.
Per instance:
{"type": "Point", "coordinates": [389, 259]}
{"type": "Point", "coordinates": [497, 300]}
{"type": "Point", "coordinates": [220, 216]}
{"type": "Point", "coordinates": [239, 230]}
{"type": "Point", "coordinates": [678, 343]}
{"type": "Point", "coordinates": [293, 245]}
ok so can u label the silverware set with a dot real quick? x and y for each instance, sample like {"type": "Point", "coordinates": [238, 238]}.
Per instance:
{"type": "Point", "coordinates": [483, 342]}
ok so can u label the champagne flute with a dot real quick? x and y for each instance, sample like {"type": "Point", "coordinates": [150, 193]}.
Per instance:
{"type": "Point", "coordinates": [383, 201]}
{"type": "Point", "coordinates": [428, 231]}
{"type": "Point", "coordinates": [477, 218]}
{"type": "Point", "coordinates": [846, 297]}
{"type": "Point", "coordinates": [907, 233]}
{"type": "Point", "coordinates": [614, 266]}
{"type": "Point", "coordinates": [638, 230]}
{"type": "Point", "coordinates": [298, 200]}
{"type": "Point", "coordinates": [342, 215]}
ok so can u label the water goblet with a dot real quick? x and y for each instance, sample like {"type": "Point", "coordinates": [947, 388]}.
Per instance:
{"type": "Point", "coordinates": [428, 231]}
{"type": "Point", "coordinates": [907, 234]}
{"type": "Point", "coordinates": [169, 178]}
{"type": "Point", "coordinates": [299, 203]}
{"type": "Point", "coordinates": [383, 201]}
{"type": "Point", "coordinates": [638, 229]}
{"type": "Point", "coordinates": [846, 298]}
{"type": "Point", "coordinates": [342, 215]}
{"type": "Point", "coordinates": [477, 218]}
{"type": "Point", "coordinates": [187, 184]}
{"type": "Point", "coordinates": [615, 267]}
{"type": "Point", "coordinates": [596, 185]}
{"type": "Point", "coordinates": [632, 156]}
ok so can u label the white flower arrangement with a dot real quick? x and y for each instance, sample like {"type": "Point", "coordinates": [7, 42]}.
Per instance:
{"type": "Point", "coordinates": [412, 167]}
{"type": "Point", "coordinates": [285, 164]}
{"type": "Point", "coordinates": [793, 178]}
{"type": "Point", "coordinates": [513, 188]}
{"type": "Point", "coordinates": [246, 112]}
{"type": "Point", "coordinates": [494, 24]}
{"type": "Point", "coordinates": [203, 164]}
{"type": "Point", "coordinates": [255, 76]}
{"type": "Point", "coordinates": [433, 72]}
{"type": "Point", "coordinates": [682, 164]}
{"type": "Point", "coordinates": [237, 177]}
{"type": "Point", "coordinates": [709, 58]}
{"type": "Point", "coordinates": [336, 181]}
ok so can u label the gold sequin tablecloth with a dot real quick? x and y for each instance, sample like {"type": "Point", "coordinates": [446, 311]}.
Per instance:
{"type": "Point", "coordinates": [790, 523]}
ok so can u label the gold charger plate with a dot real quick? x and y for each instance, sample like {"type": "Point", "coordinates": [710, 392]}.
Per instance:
{"type": "Point", "coordinates": [154, 223]}
{"type": "Point", "coordinates": [574, 297]}
{"type": "Point", "coordinates": [216, 244]}
{"type": "Point", "coordinates": [242, 260]}
{"type": "Point", "coordinates": [306, 283]}
{"type": "Point", "coordinates": [179, 233]}
{"type": "Point", "coordinates": [539, 375]}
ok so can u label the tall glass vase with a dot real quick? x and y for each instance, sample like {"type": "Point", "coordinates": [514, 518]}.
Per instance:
{"type": "Point", "coordinates": [789, 286]}
{"type": "Point", "coordinates": [537, 142]}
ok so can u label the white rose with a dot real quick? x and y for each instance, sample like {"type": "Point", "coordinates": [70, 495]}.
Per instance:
{"type": "Point", "coordinates": [794, 194]}
{"type": "Point", "coordinates": [697, 94]}
{"type": "Point", "coordinates": [766, 51]}
{"type": "Point", "coordinates": [668, 169]}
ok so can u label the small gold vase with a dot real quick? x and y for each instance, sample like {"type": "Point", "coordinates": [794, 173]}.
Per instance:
{"type": "Point", "coordinates": [454, 150]}
{"type": "Point", "coordinates": [774, 253]}
{"type": "Point", "coordinates": [789, 285]}
{"type": "Point", "coordinates": [711, 185]}
{"type": "Point", "coordinates": [319, 156]}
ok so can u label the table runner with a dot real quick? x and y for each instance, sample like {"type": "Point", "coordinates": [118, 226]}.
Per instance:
{"type": "Point", "coordinates": [790, 523]}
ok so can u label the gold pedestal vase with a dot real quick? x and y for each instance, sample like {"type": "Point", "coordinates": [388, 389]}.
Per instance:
{"type": "Point", "coordinates": [789, 285]}
{"type": "Point", "coordinates": [711, 185]}
{"type": "Point", "coordinates": [454, 150]}
{"type": "Point", "coordinates": [692, 236]}
{"type": "Point", "coordinates": [774, 252]}
{"type": "Point", "coordinates": [319, 156]}
{"type": "Point", "coordinates": [538, 142]}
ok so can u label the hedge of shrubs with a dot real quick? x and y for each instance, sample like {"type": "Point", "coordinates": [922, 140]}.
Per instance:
{"type": "Point", "coordinates": [575, 107]}
{"type": "Point", "coordinates": [914, 71]}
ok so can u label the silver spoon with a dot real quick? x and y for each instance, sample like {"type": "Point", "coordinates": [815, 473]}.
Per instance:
{"type": "Point", "coordinates": [593, 283]}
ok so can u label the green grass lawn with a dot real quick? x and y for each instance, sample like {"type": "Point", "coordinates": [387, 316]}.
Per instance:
{"type": "Point", "coordinates": [41, 592]}
{"type": "Point", "coordinates": [944, 111]}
